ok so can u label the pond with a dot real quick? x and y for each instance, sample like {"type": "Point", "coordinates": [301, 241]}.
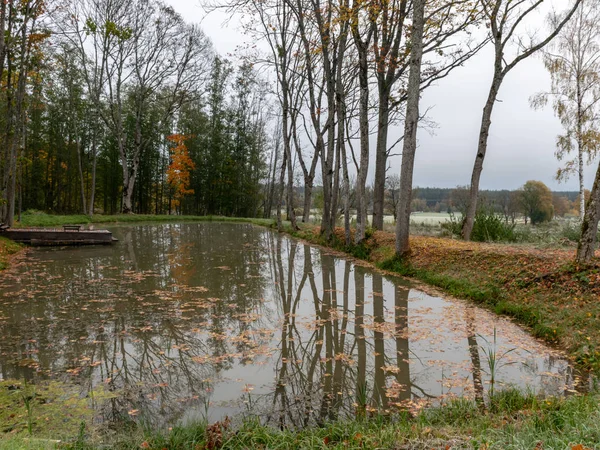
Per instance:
{"type": "Point", "coordinates": [181, 322]}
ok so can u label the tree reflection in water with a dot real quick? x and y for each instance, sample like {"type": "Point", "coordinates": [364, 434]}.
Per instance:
{"type": "Point", "coordinates": [178, 321]}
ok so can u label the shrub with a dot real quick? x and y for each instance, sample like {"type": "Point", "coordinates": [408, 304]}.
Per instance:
{"type": "Point", "coordinates": [571, 231]}
{"type": "Point", "coordinates": [453, 225]}
{"type": "Point", "coordinates": [489, 226]}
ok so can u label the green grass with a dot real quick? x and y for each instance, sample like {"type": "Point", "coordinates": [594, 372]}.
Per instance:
{"type": "Point", "coordinates": [490, 296]}
{"type": "Point", "coordinates": [39, 219]}
{"type": "Point", "coordinates": [19, 443]}
{"type": "Point", "coordinates": [513, 420]}
{"type": "Point", "coordinates": [458, 287]}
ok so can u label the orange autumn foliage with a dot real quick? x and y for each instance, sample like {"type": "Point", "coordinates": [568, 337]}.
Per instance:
{"type": "Point", "coordinates": [178, 172]}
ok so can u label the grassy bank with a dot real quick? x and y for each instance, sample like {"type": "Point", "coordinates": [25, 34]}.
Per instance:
{"type": "Point", "coordinates": [38, 219]}
{"type": "Point", "coordinates": [513, 421]}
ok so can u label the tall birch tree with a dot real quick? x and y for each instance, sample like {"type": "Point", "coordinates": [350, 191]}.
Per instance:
{"type": "Point", "coordinates": [573, 61]}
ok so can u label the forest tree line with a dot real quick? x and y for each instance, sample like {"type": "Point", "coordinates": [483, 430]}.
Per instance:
{"type": "Point", "coordinates": [114, 106]}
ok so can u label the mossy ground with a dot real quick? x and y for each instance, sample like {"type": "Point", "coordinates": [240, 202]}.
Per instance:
{"type": "Point", "coordinates": [7, 249]}
{"type": "Point", "coordinates": [48, 410]}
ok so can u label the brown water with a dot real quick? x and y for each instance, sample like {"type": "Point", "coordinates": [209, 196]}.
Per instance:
{"type": "Point", "coordinates": [186, 321]}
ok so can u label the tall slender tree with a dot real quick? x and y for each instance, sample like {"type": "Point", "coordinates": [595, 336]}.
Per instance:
{"type": "Point", "coordinates": [21, 33]}
{"type": "Point", "coordinates": [411, 124]}
{"type": "Point", "coordinates": [505, 20]}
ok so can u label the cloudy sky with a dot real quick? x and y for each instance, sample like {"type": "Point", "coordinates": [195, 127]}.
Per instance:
{"type": "Point", "coordinates": [522, 140]}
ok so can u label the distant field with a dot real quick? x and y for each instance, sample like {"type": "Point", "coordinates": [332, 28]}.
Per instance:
{"type": "Point", "coordinates": [419, 218]}
{"type": "Point", "coordinates": [431, 218]}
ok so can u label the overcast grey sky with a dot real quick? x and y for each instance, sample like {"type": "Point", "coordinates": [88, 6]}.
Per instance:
{"type": "Point", "coordinates": [522, 140]}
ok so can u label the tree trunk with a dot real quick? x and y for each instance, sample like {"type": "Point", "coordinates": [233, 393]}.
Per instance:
{"type": "Point", "coordinates": [381, 158]}
{"type": "Point", "coordinates": [336, 186]}
{"type": "Point", "coordinates": [411, 124]}
{"type": "Point", "coordinates": [18, 120]}
{"type": "Point", "coordinates": [340, 109]}
{"type": "Point", "coordinates": [580, 150]}
{"type": "Point", "coordinates": [589, 226]}
{"type": "Point", "coordinates": [484, 132]}
{"type": "Point", "coordinates": [341, 119]}
{"type": "Point", "coordinates": [273, 179]}
{"type": "Point", "coordinates": [309, 174]}
{"type": "Point", "coordinates": [126, 206]}
{"type": "Point", "coordinates": [346, 195]}
{"type": "Point", "coordinates": [308, 187]}
{"type": "Point", "coordinates": [10, 217]}
{"type": "Point", "coordinates": [287, 148]}
{"type": "Point", "coordinates": [93, 187]}
{"type": "Point", "coordinates": [327, 174]}
{"type": "Point", "coordinates": [280, 191]}
{"type": "Point", "coordinates": [81, 180]}
{"type": "Point", "coordinates": [20, 209]}
{"type": "Point", "coordinates": [290, 195]}
{"type": "Point", "coordinates": [361, 179]}
{"type": "Point", "coordinates": [581, 185]}
{"type": "Point", "coordinates": [328, 159]}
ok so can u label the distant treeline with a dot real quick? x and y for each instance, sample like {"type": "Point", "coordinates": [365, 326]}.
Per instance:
{"type": "Point", "coordinates": [446, 200]}
{"type": "Point", "coordinates": [431, 199]}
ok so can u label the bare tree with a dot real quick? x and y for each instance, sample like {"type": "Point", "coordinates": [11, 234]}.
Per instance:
{"type": "Point", "coordinates": [410, 129]}
{"type": "Point", "coordinates": [280, 31]}
{"type": "Point", "coordinates": [271, 183]}
{"type": "Point", "coordinates": [448, 43]}
{"type": "Point", "coordinates": [362, 41]}
{"type": "Point", "coordinates": [392, 189]}
{"type": "Point", "coordinates": [321, 31]}
{"type": "Point", "coordinates": [504, 19]}
{"type": "Point", "coordinates": [135, 53]}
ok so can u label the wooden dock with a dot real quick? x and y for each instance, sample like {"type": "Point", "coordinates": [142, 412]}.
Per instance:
{"type": "Point", "coordinates": [69, 235]}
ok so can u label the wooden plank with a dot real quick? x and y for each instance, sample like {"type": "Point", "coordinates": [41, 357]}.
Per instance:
{"type": "Point", "coordinates": [59, 237]}
{"type": "Point", "coordinates": [46, 243]}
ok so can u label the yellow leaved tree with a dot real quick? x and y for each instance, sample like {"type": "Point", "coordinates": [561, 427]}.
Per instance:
{"type": "Point", "coordinates": [178, 172]}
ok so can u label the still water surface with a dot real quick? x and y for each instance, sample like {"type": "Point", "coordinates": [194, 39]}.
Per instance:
{"type": "Point", "coordinates": [185, 321]}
